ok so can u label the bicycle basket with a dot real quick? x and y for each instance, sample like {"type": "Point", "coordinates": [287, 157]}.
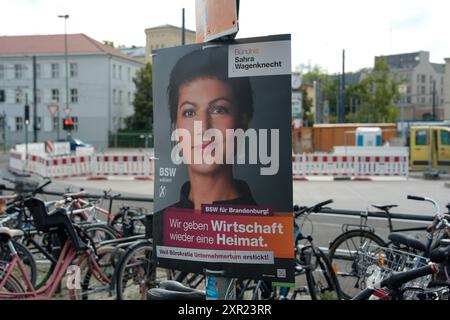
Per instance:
{"type": "Point", "coordinates": [378, 263]}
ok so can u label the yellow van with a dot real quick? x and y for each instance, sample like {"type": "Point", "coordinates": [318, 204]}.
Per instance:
{"type": "Point", "coordinates": [430, 148]}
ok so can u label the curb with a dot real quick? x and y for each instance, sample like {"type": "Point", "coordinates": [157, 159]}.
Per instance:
{"type": "Point", "coordinates": [103, 178]}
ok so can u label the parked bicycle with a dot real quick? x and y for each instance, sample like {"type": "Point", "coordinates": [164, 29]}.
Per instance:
{"type": "Point", "coordinates": [345, 250]}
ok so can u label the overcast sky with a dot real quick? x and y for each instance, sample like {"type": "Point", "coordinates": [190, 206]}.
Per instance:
{"type": "Point", "coordinates": [320, 29]}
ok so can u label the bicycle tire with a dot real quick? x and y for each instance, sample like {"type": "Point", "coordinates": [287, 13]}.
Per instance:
{"type": "Point", "coordinates": [136, 272]}
{"type": "Point", "coordinates": [25, 255]}
{"type": "Point", "coordinates": [321, 279]}
{"type": "Point", "coordinates": [92, 288]}
{"type": "Point", "coordinates": [342, 258]}
{"type": "Point", "coordinates": [100, 232]}
{"type": "Point", "coordinates": [11, 286]}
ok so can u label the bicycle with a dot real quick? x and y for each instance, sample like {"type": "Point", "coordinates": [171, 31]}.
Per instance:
{"type": "Point", "coordinates": [76, 245]}
{"type": "Point", "coordinates": [397, 286]}
{"type": "Point", "coordinates": [344, 250]}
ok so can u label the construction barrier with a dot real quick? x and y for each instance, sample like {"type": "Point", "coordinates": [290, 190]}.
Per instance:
{"type": "Point", "coordinates": [339, 166]}
{"type": "Point", "coordinates": [101, 165]}
{"type": "Point", "coordinates": [123, 165]}
{"type": "Point", "coordinates": [141, 165]}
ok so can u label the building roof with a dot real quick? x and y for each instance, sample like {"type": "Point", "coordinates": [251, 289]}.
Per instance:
{"type": "Point", "coordinates": [439, 68]}
{"type": "Point", "coordinates": [55, 44]}
{"type": "Point", "coordinates": [133, 51]}
{"type": "Point", "coordinates": [404, 60]}
{"type": "Point", "coordinates": [168, 26]}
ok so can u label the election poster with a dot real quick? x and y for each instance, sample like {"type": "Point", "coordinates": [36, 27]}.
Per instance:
{"type": "Point", "coordinates": [223, 170]}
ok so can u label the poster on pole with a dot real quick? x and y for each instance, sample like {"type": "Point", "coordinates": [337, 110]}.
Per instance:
{"type": "Point", "coordinates": [216, 19]}
{"type": "Point", "coordinates": [223, 174]}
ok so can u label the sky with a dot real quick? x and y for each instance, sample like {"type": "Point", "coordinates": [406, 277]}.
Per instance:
{"type": "Point", "coordinates": [320, 29]}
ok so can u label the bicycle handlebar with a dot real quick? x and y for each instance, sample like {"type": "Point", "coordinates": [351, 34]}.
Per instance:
{"type": "Point", "coordinates": [397, 280]}
{"type": "Point", "coordinates": [434, 203]}
{"type": "Point", "coordinates": [415, 198]}
{"type": "Point", "coordinates": [298, 211]}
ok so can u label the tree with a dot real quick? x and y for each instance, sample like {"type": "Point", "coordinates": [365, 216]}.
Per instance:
{"type": "Point", "coordinates": [376, 94]}
{"type": "Point", "coordinates": [142, 118]}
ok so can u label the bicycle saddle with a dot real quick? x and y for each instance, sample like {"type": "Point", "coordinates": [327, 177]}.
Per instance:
{"type": "Point", "coordinates": [408, 241]}
{"type": "Point", "coordinates": [385, 207]}
{"type": "Point", "coordinates": [10, 233]}
{"type": "Point", "coordinates": [173, 290]}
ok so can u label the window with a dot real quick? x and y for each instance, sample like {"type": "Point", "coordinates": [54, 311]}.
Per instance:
{"type": "Point", "coordinates": [422, 100]}
{"type": "Point", "coordinates": [2, 71]}
{"type": "Point", "coordinates": [422, 138]}
{"type": "Point", "coordinates": [120, 97]}
{"type": "Point", "coordinates": [408, 89]}
{"type": "Point", "coordinates": [55, 70]}
{"type": "Point", "coordinates": [39, 123]}
{"type": "Point", "coordinates": [18, 71]}
{"type": "Point", "coordinates": [424, 78]}
{"type": "Point", "coordinates": [120, 72]}
{"type": "Point", "coordinates": [423, 90]}
{"type": "Point", "coordinates": [74, 95]}
{"type": "Point", "coordinates": [2, 96]}
{"type": "Point", "coordinates": [115, 96]}
{"type": "Point", "coordinates": [38, 96]}
{"type": "Point", "coordinates": [55, 95]}
{"type": "Point", "coordinates": [114, 71]}
{"type": "Point", "coordinates": [19, 123]}
{"type": "Point", "coordinates": [73, 70]}
{"type": "Point", "coordinates": [75, 123]}
{"type": "Point", "coordinates": [38, 71]}
{"type": "Point", "coordinates": [408, 99]}
{"type": "Point", "coordinates": [55, 124]}
{"type": "Point", "coordinates": [445, 137]}
{"type": "Point", "coordinates": [18, 96]}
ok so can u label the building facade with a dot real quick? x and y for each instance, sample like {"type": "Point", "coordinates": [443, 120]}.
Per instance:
{"type": "Point", "coordinates": [447, 90]}
{"type": "Point", "coordinates": [423, 83]}
{"type": "Point", "coordinates": [165, 36]}
{"type": "Point", "coordinates": [100, 94]}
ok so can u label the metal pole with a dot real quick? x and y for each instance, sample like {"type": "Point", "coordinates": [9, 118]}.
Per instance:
{"type": "Point", "coordinates": [342, 104]}
{"type": "Point", "coordinates": [26, 130]}
{"type": "Point", "coordinates": [67, 62]}
{"type": "Point", "coordinates": [183, 30]}
{"type": "Point", "coordinates": [35, 126]}
{"type": "Point", "coordinates": [65, 17]}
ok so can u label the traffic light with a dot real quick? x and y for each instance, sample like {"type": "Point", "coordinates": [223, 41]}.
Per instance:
{"type": "Point", "coordinates": [27, 113]}
{"type": "Point", "coordinates": [68, 124]}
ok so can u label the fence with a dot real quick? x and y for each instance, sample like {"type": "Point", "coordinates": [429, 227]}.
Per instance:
{"type": "Point", "coordinates": [324, 164]}
{"type": "Point", "coordinates": [97, 165]}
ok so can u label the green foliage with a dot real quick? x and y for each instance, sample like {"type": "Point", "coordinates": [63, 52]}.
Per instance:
{"type": "Point", "coordinates": [142, 118]}
{"type": "Point", "coordinates": [376, 93]}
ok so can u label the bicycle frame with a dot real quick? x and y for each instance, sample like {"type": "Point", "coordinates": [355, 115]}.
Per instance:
{"type": "Point", "coordinates": [47, 292]}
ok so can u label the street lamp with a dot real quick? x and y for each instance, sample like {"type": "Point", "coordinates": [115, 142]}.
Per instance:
{"type": "Point", "coordinates": [65, 17]}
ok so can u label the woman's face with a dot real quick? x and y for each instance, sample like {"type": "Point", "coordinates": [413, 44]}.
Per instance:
{"type": "Point", "coordinates": [210, 101]}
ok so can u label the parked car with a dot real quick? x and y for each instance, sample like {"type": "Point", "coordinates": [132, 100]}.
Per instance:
{"type": "Point", "coordinates": [75, 143]}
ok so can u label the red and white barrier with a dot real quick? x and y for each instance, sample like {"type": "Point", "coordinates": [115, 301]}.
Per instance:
{"type": "Point", "coordinates": [338, 166]}
{"type": "Point", "coordinates": [137, 165]}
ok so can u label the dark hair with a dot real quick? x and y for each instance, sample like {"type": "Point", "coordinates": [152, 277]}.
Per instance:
{"type": "Point", "coordinates": [208, 63]}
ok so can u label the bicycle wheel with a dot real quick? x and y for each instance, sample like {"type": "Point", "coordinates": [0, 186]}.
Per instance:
{"type": "Point", "coordinates": [26, 257]}
{"type": "Point", "coordinates": [99, 233]}
{"type": "Point", "coordinates": [343, 256]}
{"type": "Point", "coordinates": [11, 286]}
{"type": "Point", "coordinates": [95, 280]}
{"type": "Point", "coordinates": [320, 277]}
{"type": "Point", "coordinates": [137, 273]}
